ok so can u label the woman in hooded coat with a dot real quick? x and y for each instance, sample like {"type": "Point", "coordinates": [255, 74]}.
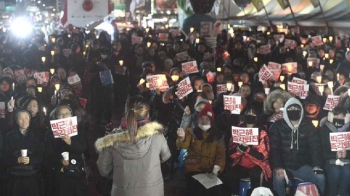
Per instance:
{"type": "Point", "coordinates": [133, 154]}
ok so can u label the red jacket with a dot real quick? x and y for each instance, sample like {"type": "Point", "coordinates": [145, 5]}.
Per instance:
{"type": "Point", "coordinates": [248, 160]}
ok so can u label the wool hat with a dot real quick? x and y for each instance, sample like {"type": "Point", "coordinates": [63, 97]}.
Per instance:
{"type": "Point", "coordinates": [207, 111]}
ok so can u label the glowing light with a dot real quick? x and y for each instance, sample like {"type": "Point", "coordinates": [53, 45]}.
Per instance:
{"type": "Point", "coordinates": [21, 27]}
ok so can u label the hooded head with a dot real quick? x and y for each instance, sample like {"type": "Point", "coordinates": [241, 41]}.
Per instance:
{"type": "Point", "coordinates": [293, 111]}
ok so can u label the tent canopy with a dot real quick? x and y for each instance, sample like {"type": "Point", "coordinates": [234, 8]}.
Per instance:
{"type": "Point", "coordinates": [336, 12]}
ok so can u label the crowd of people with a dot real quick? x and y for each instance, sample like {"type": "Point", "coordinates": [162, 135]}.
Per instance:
{"type": "Point", "coordinates": [160, 133]}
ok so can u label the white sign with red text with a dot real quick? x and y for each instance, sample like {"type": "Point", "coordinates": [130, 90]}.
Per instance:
{"type": "Point", "coordinates": [65, 126]}
{"type": "Point", "coordinates": [157, 82]}
{"type": "Point", "coordinates": [221, 88]}
{"type": "Point", "coordinates": [275, 68]}
{"type": "Point", "coordinates": [289, 68]}
{"type": "Point", "coordinates": [73, 79]}
{"type": "Point", "coordinates": [184, 88]}
{"type": "Point", "coordinates": [136, 40]}
{"type": "Point", "coordinates": [331, 102]}
{"type": "Point", "coordinates": [190, 67]}
{"type": "Point", "coordinates": [42, 77]}
{"type": "Point", "coordinates": [265, 49]}
{"type": "Point", "coordinates": [232, 103]}
{"type": "Point", "coordinates": [300, 90]}
{"type": "Point", "coordinates": [248, 136]}
{"type": "Point", "coordinates": [298, 80]}
{"type": "Point", "coordinates": [340, 141]}
{"type": "Point", "coordinates": [289, 43]}
{"type": "Point", "coordinates": [317, 40]}
{"type": "Point", "coordinates": [265, 73]}
{"type": "Point", "coordinates": [20, 75]}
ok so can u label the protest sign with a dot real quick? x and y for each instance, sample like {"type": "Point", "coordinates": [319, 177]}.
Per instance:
{"type": "Point", "coordinates": [182, 56]}
{"type": "Point", "coordinates": [163, 37]}
{"type": "Point", "coordinates": [184, 88]}
{"type": "Point", "coordinates": [65, 126]}
{"type": "Point", "coordinates": [298, 80]}
{"type": "Point", "coordinates": [290, 68]}
{"type": "Point", "coordinates": [315, 62]}
{"type": "Point", "coordinates": [317, 40]}
{"type": "Point", "coordinates": [289, 43]}
{"type": "Point", "coordinates": [221, 88]}
{"type": "Point", "coordinates": [300, 90]}
{"type": "Point", "coordinates": [20, 75]}
{"type": "Point", "coordinates": [210, 76]}
{"type": "Point", "coordinates": [232, 103]}
{"type": "Point", "coordinates": [273, 65]}
{"type": "Point", "coordinates": [157, 81]}
{"type": "Point", "coordinates": [340, 141]}
{"type": "Point", "coordinates": [275, 68]}
{"type": "Point", "coordinates": [279, 37]}
{"type": "Point", "coordinates": [206, 29]}
{"type": "Point", "coordinates": [106, 77]}
{"type": "Point", "coordinates": [136, 40]}
{"type": "Point", "coordinates": [175, 32]}
{"type": "Point", "coordinates": [190, 67]}
{"type": "Point", "coordinates": [265, 73]}
{"type": "Point", "coordinates": [265, 49]}
{"type": "Point", "coordinates": [2, 109]}
{"type": "Point", "coordinates": [42, 77]}
{"type": "Point", "coordinates": [331, 102]}
{"type": "Point", "coordinates": [248, 136]}
{"type": "Point", "coordinates": [120, 70]}
{"type": "Point", "coordinates": [73, 79]}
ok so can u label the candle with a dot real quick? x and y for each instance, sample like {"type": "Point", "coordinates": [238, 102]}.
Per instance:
{"type": "Point", "coordinates": [283, 86]}
{"type": "Point", "coordinates": [52, 71]}
{"type": "Point", "coordinates": [338, 76]}
{"type": "Point", "coordinates": [13, 86]}
{"type": "Point", "coordinates": [53, 40]}
{"type": "Point", "coordinates": [191, 29]}
{"type": "Point", "coordinates": [229, 86]}
{"type": "Point", "coordinates": [43, 59]}
{"type": "Point", "coordinates": [121, 62]}
{"type": "Point", "coordinates": [304, 53]}
{"type": "Point", "coordinates": [267, 91]}
{"type": "Point", "coordinates": [349, 92]}
{"type": "Point", "coordinates": [142, 81]}
{"type": "Point", "coordinates": [147, 85]}
{"type": "Point", "coordinates": [55, 92]}
{"type": "Point", "coordinates": [84, 53]}
{"type": "Point", "coordinates": [330, 84]}
{"type": "Point", "coordinates": [324, 40]}
{"type": "Point", "coordinates": [44, 109]}
{"type": "Point", "coordinates": [321, 89]}
{"type": "Point", "coordinates": [87, 45]}
{"type": "Point", "coordinates": [147, 30]}
{"type": "Point", "coordinates": [232, 34]}
{"type": "Point", "coordinates": [282, 78]}
{"type": "Point", "coordinates": [166, 26]}
{"type": "Point", "coordinates": [326, 55]}
{"type": "Point", "coordinates": [302, 45]}
{"type": "Point", "coordinates": [322, 67]}
{"type": "Point", "coordinates": [315, 122]}
{"type": "Point", "coordinates": [218, 69]}
{"type": "Point", "coordinates": [175, 78]}
{"type": "Point", "coordinates": [40, 89]}
{"type": "Point", "coordinates": [199, 90]}
{"type": "Point", "coordinates": [240, 83]}
{"type": "Point", "coordinates": [319, 79]}
{"type": "Point", "coordinates": [197, 40]}
{"type": "Point", "coordinates": [348, 49]}
{"type": "Point", "coordinates": [52, 52]}
{"type": "Point", "coordinates": [256, 59]}
{"type": "Point", "coordinates": [69, 35]}
{"type": "Point", "coordinates": [330, 38]}
{"type": "Point", "coordinates": [148, 44]}
{"type": "Point", "coordinates": [268, 33]}
{"type": "Point", "coordinates": [310, 63]}
{"type": "Point", "coordinates": [331, 61]}
{"type": "Point", "coordinates": [57, 86]}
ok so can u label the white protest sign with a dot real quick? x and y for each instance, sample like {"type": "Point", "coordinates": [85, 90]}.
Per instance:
{"type": "Point", "coordinates": [73, 79]}
{"type": "Point", "coordinates": [298, 81]}
{"type": "Point", "coordinates": [300, 90]}
{"type": "Point", "coordinates": [221, 88]}
{"type": "Point", "coordinates": [210, 76]}
{"type": "Point", "coordinates": [42, 77]}
{"type": "Point", "coordinates": [206, 29]}
{"type": "Point", "coordinates": [20, 75]}
{"type": "Point", "coordinates": [265, 49]}
{"type": "Point", "coordinates": [65, 126]}
{"type": "Point", "coordinates": [136, 40]}
{"type": "Point", "coordinates": [190, 67]}
{"type": "Point", "coordinates": [265, 73]}
{"type": "Point", "coordinates": [340, 141]}
{"type": "Point", "coordinates": [317, 40]}
{"type": "Point", "coordinates": [331, 102]}
{"type": "Point", "coordinates": [184, 88]}
{"type": "Point", "coordinates": [248, 136]}
{"type": "Point", "coordinates": [275, 68]}
{"type": "Point", "coordinates": [289, 68]}
{"type": "Point", "coordinates": [157, 81]}
{"type": "Point", "coordinates": [289, 43]}
{"type": "Point", "coordinates": [232, 103]}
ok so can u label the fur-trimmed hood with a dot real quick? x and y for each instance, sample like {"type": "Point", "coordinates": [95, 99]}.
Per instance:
{"type": "Point", "coordinates": [272, 97]}
{"type": "Point", "coordinates": [122, 144]}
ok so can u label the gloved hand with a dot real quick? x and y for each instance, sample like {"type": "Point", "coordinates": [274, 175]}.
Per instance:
{"type": "Point", "coordinates": [318, 170]}
{"type": "Point", "coordinates": [11, 105]}
{"type": "Point", "coordinates": [242, 148]}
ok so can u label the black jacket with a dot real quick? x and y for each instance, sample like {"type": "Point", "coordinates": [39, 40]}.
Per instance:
{"type": "Point", "coordinates": [14, 142]}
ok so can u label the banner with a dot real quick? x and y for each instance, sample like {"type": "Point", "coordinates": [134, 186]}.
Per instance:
{"type": "Point", "coordinates": [106, 77]}
{"type": "Point", "coordinates": [298, 81]}
{"type": "Point", "coordinates": [157, 81]}
{"type": "Point", "coordinates": [265, 73]}
{"type": "Point", "coordinates": [73, 79]}
{"type": "Point", "coordinates": [232, 103]}
{"type": "Point", "coordinates": [182, 56]}
{"type": "Point", "coordinates": [340, 141]}
{"type": "Point", "coordinates": [331, 102]}
{"type": "Point", "coordinates": [163, 37]}
{"type": "Point", "coordinates": [289, 43]}
{"type": "Point", "coordinates": [189, 67]}
{"type": "Point", "coordinates": [206, 29]}
{"type": "Point", "coordinates": [136, 40]}
{"type": "Point", "coordinates": [20, 75]}
{"type": "Point", "coordinates": [184, 88]}
{"type": "Point", "coordinates": [258, 4]}
{"type": "Point", "coordinates": [290, 68]}
{"type": "Point", "coordinates": [248, 136]}
{"type": "Point", "coordinates": [42, 77]}
{"type": "Point", "coordinates": [315, 62]}
{"type": "Point", "coordinates": [317, 40]}
{"type": "Point", "coordinates": [65, 126]}
{"type": "Point", "coordinates": [222, 88]}
{"type": "Point", "coordinates": [265, 49]}
{"type": "Point", "coordinates": [300, 90]}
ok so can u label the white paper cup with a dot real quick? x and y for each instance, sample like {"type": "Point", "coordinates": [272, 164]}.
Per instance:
{"type": "Point", "coordinates": [65, 156]}
{"type": "Point", "coordinates": [24, 152]}
{"type": "Point", "coordinates": [216, 169]}
{"type": "Point", "coordinates": [267, 91]}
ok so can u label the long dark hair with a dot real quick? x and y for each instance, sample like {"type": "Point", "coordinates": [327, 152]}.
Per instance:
{"type": "Point", "coordinates": [136, 108]}
{"type": "Point", "coordinates": [214, 133]}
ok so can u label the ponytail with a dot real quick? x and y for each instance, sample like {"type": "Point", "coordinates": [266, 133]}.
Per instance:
{"type": "Point", "coordinates": [132, 124]}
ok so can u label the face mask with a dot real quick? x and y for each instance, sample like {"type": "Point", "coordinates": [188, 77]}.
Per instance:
{"type": "Point", "coordinates": [338, 123]}
{"type": "Point", "coordinates": [204, 127]}
{"type": "Point", "coordinates": [294, 115]}
{"type": "Point", "coordinates": [250, 119]}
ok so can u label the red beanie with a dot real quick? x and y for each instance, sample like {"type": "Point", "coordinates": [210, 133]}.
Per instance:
{"type": "Point", "coordinates": [207, 111]}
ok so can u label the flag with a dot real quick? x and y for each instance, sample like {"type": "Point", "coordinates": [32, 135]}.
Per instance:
{"type": "Point", "coordinates": [283, 3]}
{"type": "Point", "coordinates": [258, 4]}
{"type": "Point", "coordinates": [315, 3]}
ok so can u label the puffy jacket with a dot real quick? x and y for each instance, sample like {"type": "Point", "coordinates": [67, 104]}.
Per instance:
{"type": "Point", "coordinates": [202, 155]}
{"type": "Point", "coordinates": [134, 167]}
{"type": "Point", "coordinates": [293, 147]}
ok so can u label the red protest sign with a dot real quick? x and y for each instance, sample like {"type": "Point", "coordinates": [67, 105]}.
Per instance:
{"type": "Point", "coordinates": [157, 81]}
{"type": "Point", "coordinates": [20, 75]}
{"type": "Point", "coordinates": [163, 37]}
{"type": "Point", "coordinates": [265, 73]}
{"type": "Point", "coordinates": [184, 88]}
{"type": "Point", "coordinates": [317, 40]}
{"type": "Point", "coordinates": [190, 67]}
{"type": "Point", "coordinates": [210, 76]}
{"type": "Point", "coordinates": [65, 126]}
{"type": "Point", "coordinates": [340, 141]}
{"type": "Point", "coordinates": [298, 81]}
{"type": "Point", "coordinates": [300, 90]}
{"type": "Point", "coordinates": [42, 77]}
{"type": "Point", "coordinates": [289, 43]}
{"type": "Point", "coordinates": [248, 136]}
{"type": "Point", "coordinates": [289, 68]}
{"type": "Point", "coordinates": [136, 40]}
{"type": "Point", "coordinates": [265, 49]}
{"type": "Point", "coordinates": [232, 103]}
{"type": "Point", "coordinates": [331, 102]}
{"type": "Point", "coordinates": [221, 88]}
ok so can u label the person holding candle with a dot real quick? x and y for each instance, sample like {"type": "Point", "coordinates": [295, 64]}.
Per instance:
{"type": "Point", "coordinates": [344, 66]}
{"type": "Point", "coordinates": [23, 167]}
{"type": "Point", "coordinates": [337, 162]}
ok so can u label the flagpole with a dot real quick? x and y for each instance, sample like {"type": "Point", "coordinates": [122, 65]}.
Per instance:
{"type": "Point", "coordinates": [268, 18]}
{"type": "Point", "coordinates": [291, 11]}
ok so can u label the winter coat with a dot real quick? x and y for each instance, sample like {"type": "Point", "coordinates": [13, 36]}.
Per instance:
{"type": "Point", "coordinates": [344, 68]}
{"type": "Point", "coordinates": [324, 132]}
{"type": "Point", "coordinates": [293, 147]}
{"type": "Point", "coordinates": [134, 167]}
{"type": "Point", "coordinates": [15, 141]}
{"type": "Point", "coordinates": [202, 155]}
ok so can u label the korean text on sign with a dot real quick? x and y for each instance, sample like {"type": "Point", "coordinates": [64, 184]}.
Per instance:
{"type": "Point", "coordinates": [184, 88]}
{"type": "Point", "coordinates": [265, 73]}
{"type": "Point", "coordinates": [190, 67]}
{"type": "Point", "coordinates": [340, 141]}
{"type": "Point", "coordinates": [65, 126]}
{"type": "Point", "coordinates": [232, 103]}
{"type": "Point", "coordinates": [157, 81]}
{"type": "Point", "coordinates": [331, 102]}
{"type": "Point", "coordinates": [249, 136]}
{"type": "Point", "coordinates": [300, 90]}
